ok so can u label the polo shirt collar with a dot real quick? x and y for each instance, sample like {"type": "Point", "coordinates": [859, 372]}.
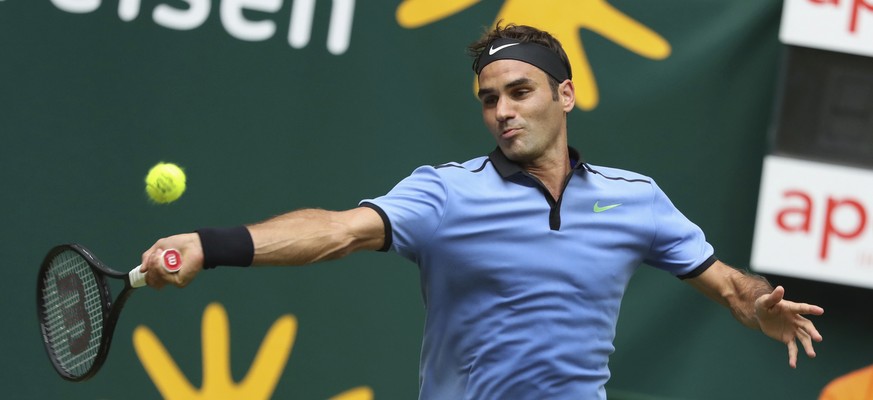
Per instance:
{"type": "Point", "coordinates": [506, 167]}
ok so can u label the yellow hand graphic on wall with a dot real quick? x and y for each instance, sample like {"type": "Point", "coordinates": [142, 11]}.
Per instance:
{"type": "Point", "coordinates": [259, 382]}
{"type": "Point", "coordinates": [561, 18]}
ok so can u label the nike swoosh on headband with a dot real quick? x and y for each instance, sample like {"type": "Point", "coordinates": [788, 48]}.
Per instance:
{"type": "Point", "coordinates": [538, 55]}
{"type": "Point", "coordinates": [493, 50]}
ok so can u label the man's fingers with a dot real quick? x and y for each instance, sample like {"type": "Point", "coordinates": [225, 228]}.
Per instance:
{"type": "Point", "coordinates": [806, 333]}
{"type": "Point", "coordinates": [146, 257]}
{"type": "Point", "coordinates": [152, 261]}
{"type": "Point", "coordinates": [188, 258]}
{"type": "Point", "coordinates": [809, 329]}
{"type": "Point", "coordinates": [806, 341]}
{"type": "Point", "coordinates": [803, 308]}
{"type": "Point", "coordinates": [772, 299]}
{"type": "Point", "coordinates": [792, 353]}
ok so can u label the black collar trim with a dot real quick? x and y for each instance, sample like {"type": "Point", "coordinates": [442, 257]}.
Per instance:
{"type": "Point", "coordinates": [507, 168]}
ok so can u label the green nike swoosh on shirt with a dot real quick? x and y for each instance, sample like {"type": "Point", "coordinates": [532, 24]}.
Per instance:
{"type": "Point", "coordinates": [598, 208]}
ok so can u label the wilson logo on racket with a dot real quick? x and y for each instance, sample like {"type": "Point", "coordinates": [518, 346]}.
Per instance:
{"type": "Point", "coordinates": [171, 260]}
{"type": "Point", "coordinates": [71, 293]}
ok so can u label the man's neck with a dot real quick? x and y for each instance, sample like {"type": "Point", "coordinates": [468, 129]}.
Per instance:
{"type": "Point", "coordinates": [552, 172]}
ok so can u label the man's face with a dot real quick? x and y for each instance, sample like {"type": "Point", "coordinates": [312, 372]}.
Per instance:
{"type": "Point", "coordinates": [519, 109]}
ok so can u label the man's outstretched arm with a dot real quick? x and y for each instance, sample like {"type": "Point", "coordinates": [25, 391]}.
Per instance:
{"type": "Point", "coordinates": [296, 238]}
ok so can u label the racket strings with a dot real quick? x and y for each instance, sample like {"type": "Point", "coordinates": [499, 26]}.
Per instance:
{"type": "Point", "coordinates": [72, 312]}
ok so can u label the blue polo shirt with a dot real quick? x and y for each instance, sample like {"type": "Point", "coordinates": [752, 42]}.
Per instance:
{"type": "Point", "coordinates": [522, 292]}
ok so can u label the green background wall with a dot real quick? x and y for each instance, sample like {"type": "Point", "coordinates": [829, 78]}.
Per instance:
{"type": "Point", "coordinates": [88, 102]}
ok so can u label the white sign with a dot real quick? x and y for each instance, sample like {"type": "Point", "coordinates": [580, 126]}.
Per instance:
{"type": "Point", "coordinates": [814, 222]}
{"type": "Point", "coordinates": [837, 25]}
{"type": "Point", "coordinates": [234, 16]}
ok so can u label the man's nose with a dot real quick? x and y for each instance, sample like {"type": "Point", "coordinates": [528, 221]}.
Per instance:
{"type": "Point", "coordinates": [504, 109]}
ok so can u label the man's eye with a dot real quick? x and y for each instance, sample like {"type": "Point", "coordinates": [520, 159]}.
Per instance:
{"type": "Point", "coordinates": [521, 92]}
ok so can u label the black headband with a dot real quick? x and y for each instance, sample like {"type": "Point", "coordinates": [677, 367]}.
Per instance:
{"type": "Point", "coordinates": [534, 54]}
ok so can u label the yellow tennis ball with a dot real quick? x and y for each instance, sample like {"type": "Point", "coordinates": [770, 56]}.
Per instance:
{"type": "Point", "coordinates": [165, 183]}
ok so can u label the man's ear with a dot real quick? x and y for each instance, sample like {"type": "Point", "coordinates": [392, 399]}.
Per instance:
{"type": "Point", "coordinates": [567, 93]}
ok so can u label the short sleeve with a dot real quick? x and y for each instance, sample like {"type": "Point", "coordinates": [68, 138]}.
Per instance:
{"type": "Point", "coordinates": [679, 246]}
{"type": "Point", "coordinates": [413, 210]}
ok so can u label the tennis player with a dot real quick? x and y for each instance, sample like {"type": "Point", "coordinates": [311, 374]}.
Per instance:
{"type": "Point", "coordinates": [524, 253]}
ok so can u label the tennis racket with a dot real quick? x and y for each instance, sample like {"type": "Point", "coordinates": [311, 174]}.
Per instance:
{"type": "Point", "coordinates": [77, 314]}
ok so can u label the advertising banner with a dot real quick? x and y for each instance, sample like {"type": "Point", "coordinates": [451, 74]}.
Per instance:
{"type": "Point", "coordinates": [836, 25]}
{"type": "Point", "coordinates": [812, 222]}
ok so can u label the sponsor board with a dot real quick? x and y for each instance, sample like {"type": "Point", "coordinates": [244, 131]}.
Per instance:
{"type": "Point", "coordinates": [837, 25]}
{"type": "Point", "coordinates": [813, 222]}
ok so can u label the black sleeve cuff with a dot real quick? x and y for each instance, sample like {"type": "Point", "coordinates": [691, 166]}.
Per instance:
{"type": "Point", "coordinates": [700, 268]}
{"type": "Point", "coordinates": [388, 232]}
{"type": "Point", "coordinates": [226, 246]}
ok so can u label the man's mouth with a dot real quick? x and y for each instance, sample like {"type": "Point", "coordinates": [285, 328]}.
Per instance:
{"type": "Point", "coordinates": [509, 132]}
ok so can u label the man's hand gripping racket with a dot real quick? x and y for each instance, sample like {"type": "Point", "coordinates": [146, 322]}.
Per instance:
{"type": "Point", "coordinates": [76, 312]}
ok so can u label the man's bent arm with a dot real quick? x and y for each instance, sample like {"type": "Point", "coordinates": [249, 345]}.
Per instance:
{"type": "Point", "coordinates": [733, 289]}
{"type": "Point", "coordinates": [758, 305]}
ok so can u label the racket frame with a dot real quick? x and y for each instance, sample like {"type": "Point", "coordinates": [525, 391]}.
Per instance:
{"type": "Point", "coordinates": [111, 309]}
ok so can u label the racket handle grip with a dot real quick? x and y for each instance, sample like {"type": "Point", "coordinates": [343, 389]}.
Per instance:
{"type": "Point", "coordinates": [137, 278]}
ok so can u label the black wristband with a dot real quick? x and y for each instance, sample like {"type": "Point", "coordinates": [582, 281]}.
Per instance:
{"type": "Point", "coordinates": [226, 246]}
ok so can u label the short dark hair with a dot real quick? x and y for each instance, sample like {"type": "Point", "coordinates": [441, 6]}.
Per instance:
{"type": "Point", "coordinates": [522, 33]}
